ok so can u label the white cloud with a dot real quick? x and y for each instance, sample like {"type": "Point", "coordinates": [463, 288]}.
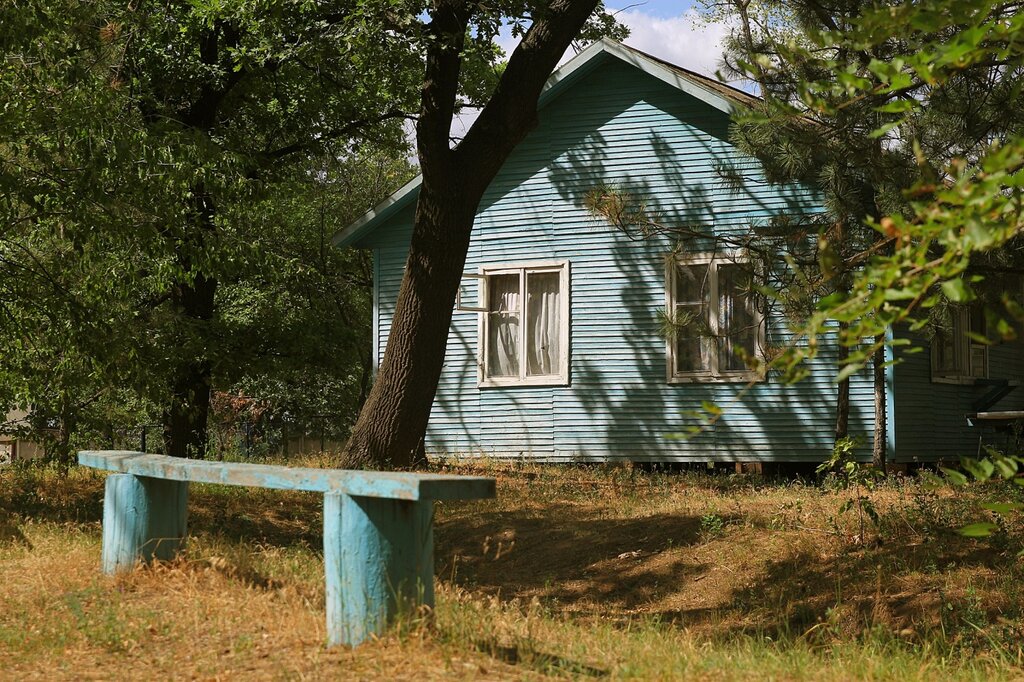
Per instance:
{"type": "Point", "coordinates": [679, 40]}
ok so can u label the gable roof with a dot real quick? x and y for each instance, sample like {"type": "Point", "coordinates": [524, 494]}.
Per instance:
{"type": "Point", "coordinates": [718, 95]}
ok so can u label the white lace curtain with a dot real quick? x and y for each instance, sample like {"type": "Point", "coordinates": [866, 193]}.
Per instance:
{"type": "Point", "coordinates": [503, 326]}
{"type": "Point", "coordinates": [538, 346]}
{"type": "Point", "coordinates": [544, 307]}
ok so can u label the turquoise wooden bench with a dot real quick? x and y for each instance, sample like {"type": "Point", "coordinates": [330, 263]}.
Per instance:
{"type": "Point", "coordinates": [378, 526]}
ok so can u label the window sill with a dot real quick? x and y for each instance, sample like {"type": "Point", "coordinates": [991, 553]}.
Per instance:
{"type": "Point", "coordinates": [523, 383]}
{"type": "Point", "coordinates": [958, 381]}
{"type": "Point", "coordinates": [719, 379]}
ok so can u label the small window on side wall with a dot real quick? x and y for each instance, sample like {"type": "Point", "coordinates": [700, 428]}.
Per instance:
{"type": "Point", "coordinates": [956, 356]}
{"type": "Point", "coordinates": [524, 334]}
{"type": "Point", "coordinates": [715, 325]}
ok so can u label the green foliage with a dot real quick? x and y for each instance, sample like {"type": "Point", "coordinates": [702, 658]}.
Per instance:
{"type": "Point", "coordinates": [170, 174]}
{"type": "Point", "coordinates": [945, 95]}
{"type": "Point", "coordinates": [843, 470]}
{"type": "Point", "coordinates": [995, 466]}
{"type": "Point", "coordinates": [711, 526]}
{"type": "Point", "coordinates": [154, 155]}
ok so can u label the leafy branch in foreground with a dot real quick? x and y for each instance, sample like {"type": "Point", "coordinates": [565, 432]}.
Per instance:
{"type": "Point", "coordinates": [965, 212]}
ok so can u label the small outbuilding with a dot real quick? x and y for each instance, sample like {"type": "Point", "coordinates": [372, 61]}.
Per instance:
{"type": "Point", "coordinates": [11, 446]}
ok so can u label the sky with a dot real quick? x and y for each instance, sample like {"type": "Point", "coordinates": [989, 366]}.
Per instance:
{"type": "Point", "coordinates": [667, 29]}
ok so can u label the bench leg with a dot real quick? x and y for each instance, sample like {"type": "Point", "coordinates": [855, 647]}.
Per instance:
{"type": "Point", "coordinates": [378, 560]}
{"type": "Point", "coordinates": [143, 518]}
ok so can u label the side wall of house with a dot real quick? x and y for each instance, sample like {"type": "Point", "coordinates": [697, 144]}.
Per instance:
{"type": "Point", "coordinates": [617, 127]}
{"type": "Point", "coordinates": [931, 416]}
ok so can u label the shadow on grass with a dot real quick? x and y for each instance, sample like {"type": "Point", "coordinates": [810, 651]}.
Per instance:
{"type": "Point", "coordinates": [617, 569]}
{"type": "Point", "coordinates": [588, 560]}
{"type": "Point", "coordinates": [568, 553]}
{"type": "Point", "coordinates": [546, 663]}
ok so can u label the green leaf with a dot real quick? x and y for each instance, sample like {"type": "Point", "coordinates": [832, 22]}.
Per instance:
{"type": "Point", "coordinates": [711, 408]}
{"type": "Point", "coordinates": [848, 371]}
{"type": "Point", "coordinates": [1002, 507]}
{"type": "Point", "coordinates": [881, 131]}
{"type": "Point", "coordinates": [896, 106]}
{"type": "Point", "coordinates": [957, 291]}
{"type": "Point", "coordinates": [1007, 466]}
{"type": "Point", "coordinates": [978, 530]}
{"type": "Point", "coordinates": [954, 476]}
{"type": "Point", "coordinates": [981, 469]}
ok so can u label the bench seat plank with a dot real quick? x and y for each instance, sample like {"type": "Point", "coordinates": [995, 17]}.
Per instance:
{"type": "Point", "coordinates": [391, 485]}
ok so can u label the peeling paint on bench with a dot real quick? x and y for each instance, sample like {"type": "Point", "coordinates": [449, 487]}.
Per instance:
{"type": "Point", "coordinates": [378, 526]}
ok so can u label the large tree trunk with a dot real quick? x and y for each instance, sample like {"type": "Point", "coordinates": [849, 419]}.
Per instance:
{"type": "Point", "coordinates": [186, 415]}
{"type": "Point", "coordinates": [394, 418]}
{"type": "Point", "coordinates": [390, 429]}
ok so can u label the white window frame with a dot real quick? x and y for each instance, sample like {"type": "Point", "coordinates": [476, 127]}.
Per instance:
{"type": "Point", "coordinates": [481, 302]}
{"type": "Point", "coordinates": [522, 269]}
{"type": "Point", "coordinates": [713, 374]}
{"type": "Point", "coordinates": [964, 352]}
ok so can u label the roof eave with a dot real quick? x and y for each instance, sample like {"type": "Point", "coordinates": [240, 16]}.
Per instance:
{"type": "Point", "coordinates": [385, 209]}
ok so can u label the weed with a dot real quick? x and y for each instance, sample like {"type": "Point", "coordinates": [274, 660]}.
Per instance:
{"type": "Point", "coordinates": [711, 526]}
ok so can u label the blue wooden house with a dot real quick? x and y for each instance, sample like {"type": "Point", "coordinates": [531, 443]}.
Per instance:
{"type": "Point", "coordinates": [556, 350]}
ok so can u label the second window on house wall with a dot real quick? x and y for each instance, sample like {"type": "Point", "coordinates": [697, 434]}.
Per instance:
{"type": "Point", "coordinates": [715, 325]}
{"type": "Point", "coordinates": [956, 356]}
{"type": "Point", "coordinates": [524, 333]}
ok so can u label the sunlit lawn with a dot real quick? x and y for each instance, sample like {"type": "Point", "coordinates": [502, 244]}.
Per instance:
{"type": "Point", "coordinates": [571, 572]}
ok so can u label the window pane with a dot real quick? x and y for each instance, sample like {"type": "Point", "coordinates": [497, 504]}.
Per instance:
{"type": "Point", "coordinates": [736, 321]}
{"type": "Point", "coordinates": [945, 352]}
{"type": "Point", "coordinates": [692, 283]}
{"type": "Point", "coordinates": [503, 326]}
{"type": "Point", "coordinates": [693, 339]}
{"type": "Point", "coordinates": [543, 323]}
{"type": "Point", "coordinates": [692, 332]}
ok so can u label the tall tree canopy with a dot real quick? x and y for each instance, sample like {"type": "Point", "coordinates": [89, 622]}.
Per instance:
{"type": "Point", "coordinates": [138, 142]}
{"type": "Point", "coordinates": [943, 81]}
{"type": "Point", "coordinates": [148, 151]}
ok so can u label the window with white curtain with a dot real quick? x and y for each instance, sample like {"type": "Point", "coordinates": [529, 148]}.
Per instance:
{"type": "Point", "coordinates": [524, 334]}
{"type": "Point", "coordinates": [714, 322]}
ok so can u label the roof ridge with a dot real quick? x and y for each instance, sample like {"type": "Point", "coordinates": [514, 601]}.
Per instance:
{"type": "Point", "coordinates": [721, 86]}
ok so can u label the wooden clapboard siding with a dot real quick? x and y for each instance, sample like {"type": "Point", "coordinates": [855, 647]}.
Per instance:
{"type": "Point", "coordinates": [931, 417]}
{"type": "Point", "coordinates": [617, 126]}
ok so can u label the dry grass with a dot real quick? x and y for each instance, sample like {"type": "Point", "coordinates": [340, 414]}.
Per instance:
{"type": "Point", "coordinates": [570, 573]}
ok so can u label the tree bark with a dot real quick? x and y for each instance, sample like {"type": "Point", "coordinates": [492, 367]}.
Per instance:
{"type": "Point", "coordinates": [186, 414]}
{"type": "Point", "coordinates": [394, 418]}
{"type": "Point", "coordinates": [390, 429]}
